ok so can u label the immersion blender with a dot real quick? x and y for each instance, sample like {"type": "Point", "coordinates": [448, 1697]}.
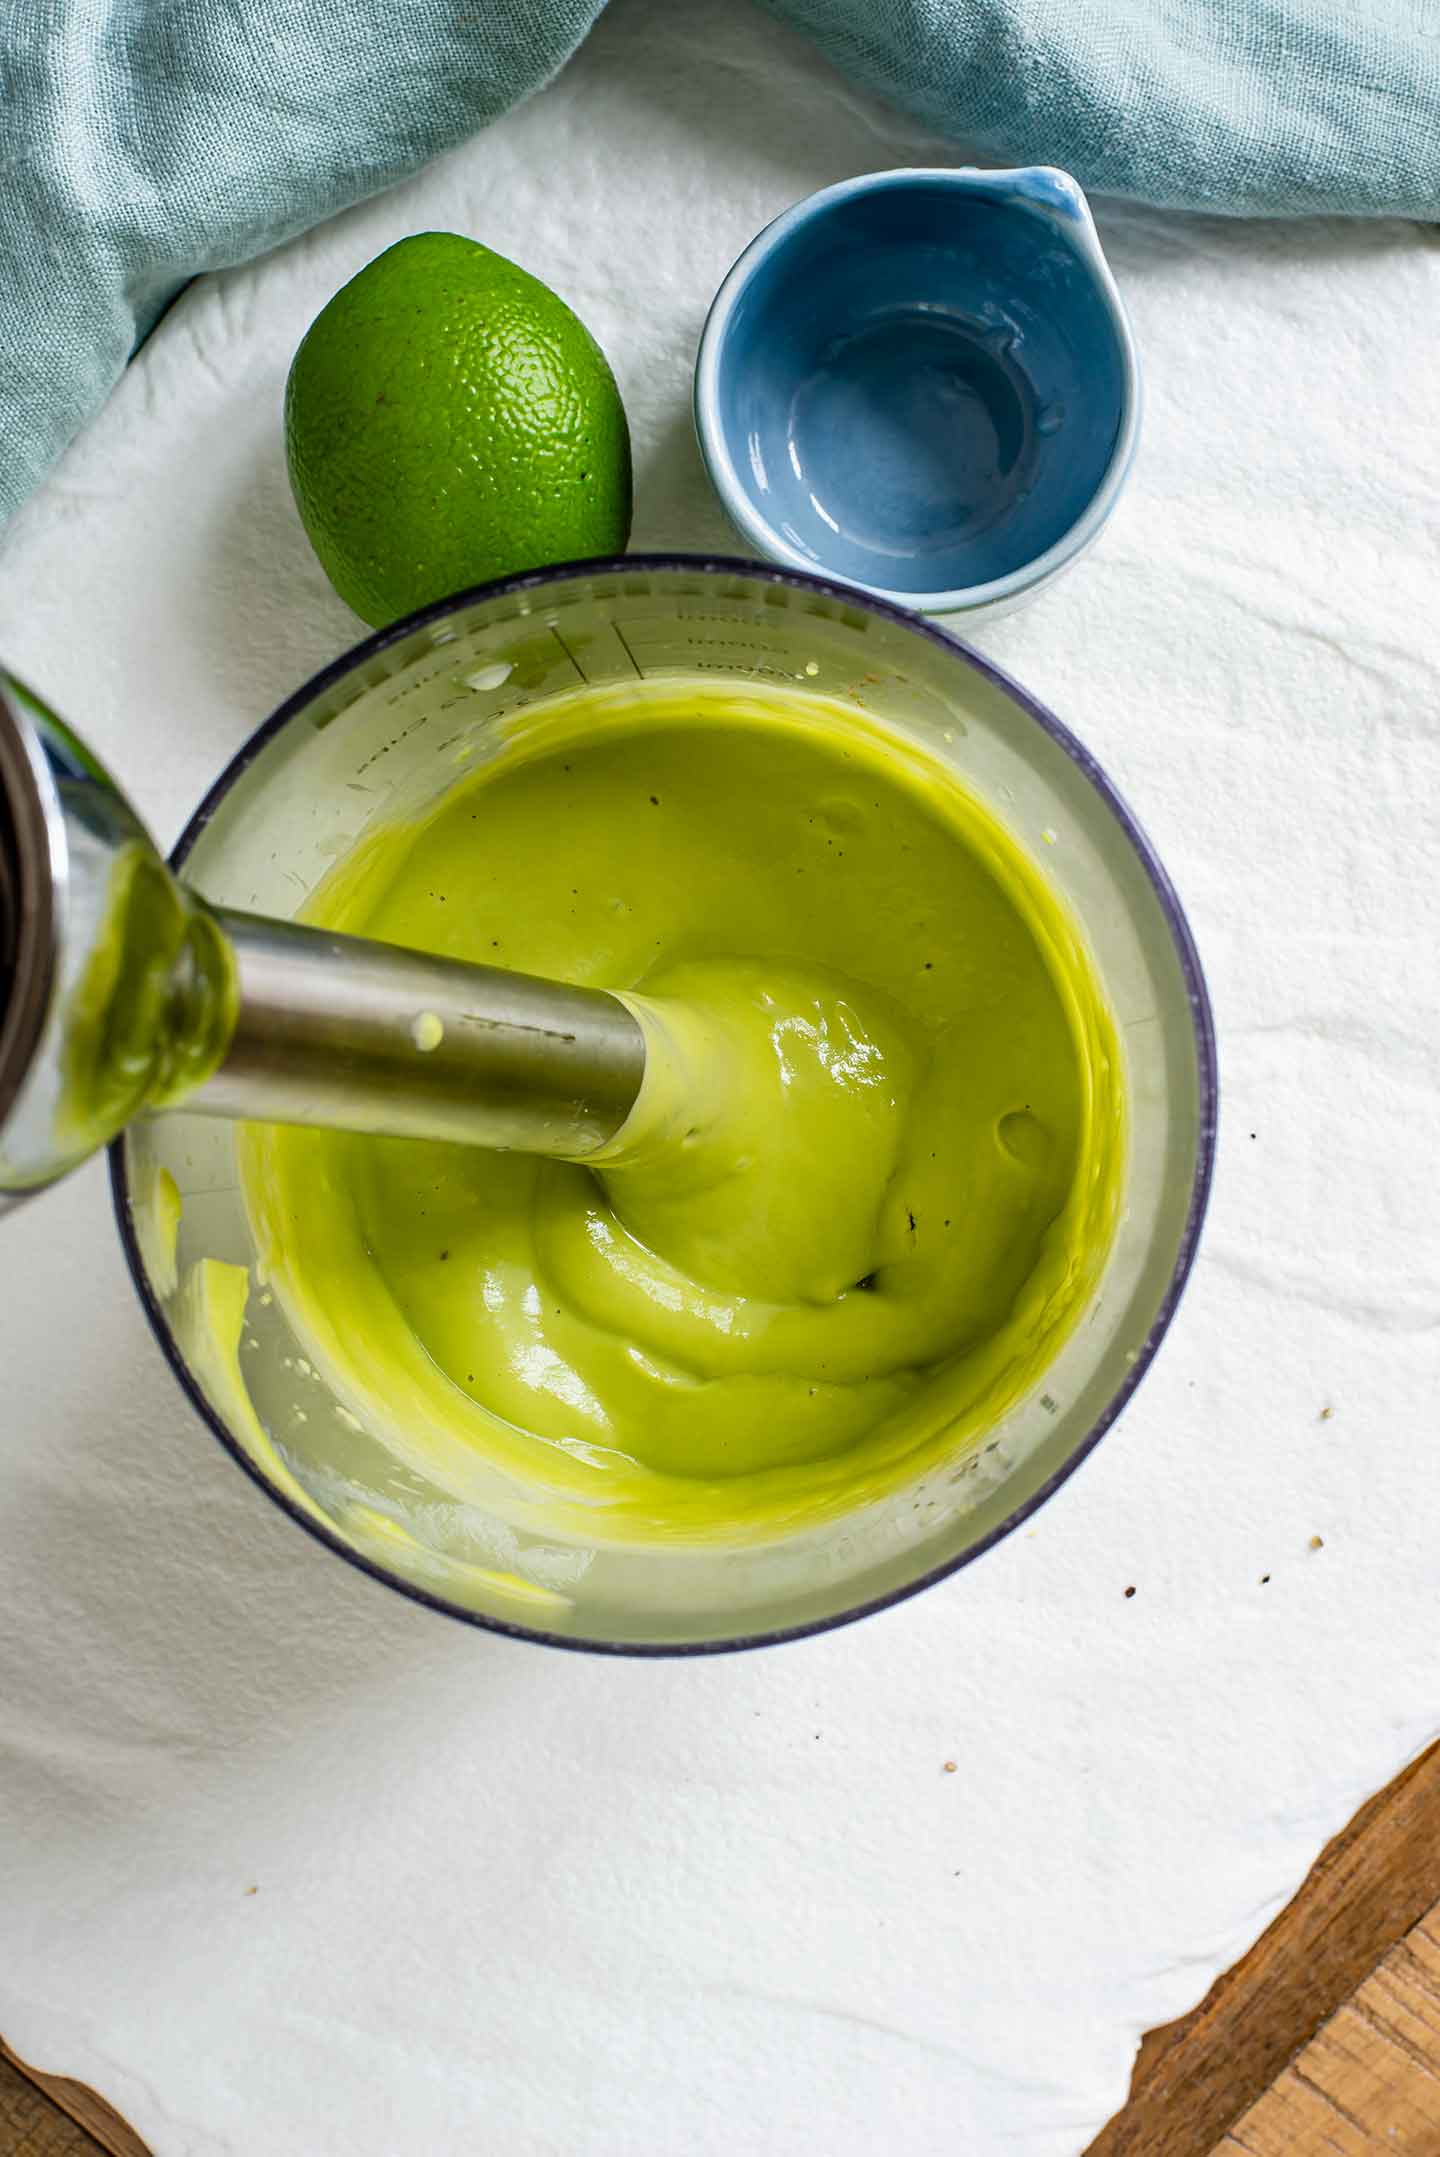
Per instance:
{"type": "Point", "coordinates": [122, 992]}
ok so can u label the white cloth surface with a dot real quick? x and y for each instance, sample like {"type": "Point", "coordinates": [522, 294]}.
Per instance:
{"type": "Point", "coordinates": [289, 1867]}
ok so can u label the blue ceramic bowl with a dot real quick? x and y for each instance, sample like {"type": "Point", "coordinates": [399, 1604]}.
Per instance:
{"type": "Point", "coordinates": [924, 383]}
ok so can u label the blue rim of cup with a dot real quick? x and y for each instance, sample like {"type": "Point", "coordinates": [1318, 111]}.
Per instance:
{"type": "Point", "coordinates": [715, 449]}
{"type": "Point", "coordinates": [1202, 1018]}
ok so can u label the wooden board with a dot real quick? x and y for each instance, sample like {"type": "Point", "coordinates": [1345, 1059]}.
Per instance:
{"type": "Point", "coordinates": [50, 2116]}
{"type": "Point", "coordinates": [1195, 2078]}
{"type": "Point", "coordinates": [1370, 2078]}
{"type": "Point", "coordinates": [1323, 2042]}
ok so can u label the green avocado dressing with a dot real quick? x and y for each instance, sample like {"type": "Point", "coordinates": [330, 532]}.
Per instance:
{"type": "Point", "coordinates": [870, 1181]}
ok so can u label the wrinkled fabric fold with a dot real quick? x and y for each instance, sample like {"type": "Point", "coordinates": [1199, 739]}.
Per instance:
{"type": "Point", "coordinates": [145, 141]}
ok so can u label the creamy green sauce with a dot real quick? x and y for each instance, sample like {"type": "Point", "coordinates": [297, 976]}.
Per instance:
{"type": "Point", "coordinates": [870, 1181]}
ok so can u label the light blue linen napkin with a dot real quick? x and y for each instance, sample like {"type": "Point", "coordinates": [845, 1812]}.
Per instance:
{"type": "Point", "coordinates": [142, 141]}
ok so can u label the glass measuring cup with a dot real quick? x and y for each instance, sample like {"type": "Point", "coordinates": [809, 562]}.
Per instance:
{"type": "Point", "coordinates": [376, 737]}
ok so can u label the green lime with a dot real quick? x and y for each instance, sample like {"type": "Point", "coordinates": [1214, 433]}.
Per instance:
{"type": "Point", "coordinates": [448, 420]}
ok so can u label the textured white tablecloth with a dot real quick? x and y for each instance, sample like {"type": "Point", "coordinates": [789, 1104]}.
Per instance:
{"type": "Point", "coordinates": [290, 1868]}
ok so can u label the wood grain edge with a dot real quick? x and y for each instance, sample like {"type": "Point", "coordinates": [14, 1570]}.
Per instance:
{"type": "Point", "coordinates": [30, 2126]}
{"type": "Point", "coordinates": [1369, 2079]}
{"type": "Point", "coordinates": [1195, 2078]}
{"type": "Point", "coordinates": [99, 2126]}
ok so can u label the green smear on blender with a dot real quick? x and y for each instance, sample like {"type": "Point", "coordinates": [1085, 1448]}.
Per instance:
{"type": "Point", "coordinates": [152, 1014]}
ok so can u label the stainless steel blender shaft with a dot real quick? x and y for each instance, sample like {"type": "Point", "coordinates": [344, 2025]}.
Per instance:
{"type": "Point", "coordinates": [123, 993]}
{"type": "Point", "coordinates": [363, 1036]}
